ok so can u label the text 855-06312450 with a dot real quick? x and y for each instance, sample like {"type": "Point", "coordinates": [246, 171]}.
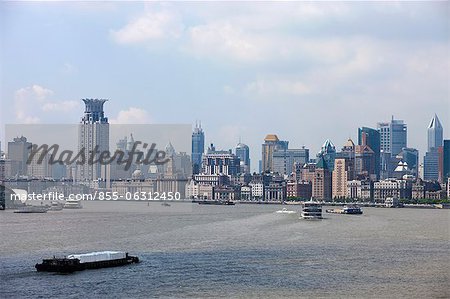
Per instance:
{"type": "Point", "coordinates": [153, 195]}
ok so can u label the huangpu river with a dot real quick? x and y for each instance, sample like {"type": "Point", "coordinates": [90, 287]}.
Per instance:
{"type": "Point", "coordinates": [243, 251]}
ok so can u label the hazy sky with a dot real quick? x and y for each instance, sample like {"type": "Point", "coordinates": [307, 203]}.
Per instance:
{"type": "Point", "coordinates": [304, 71]}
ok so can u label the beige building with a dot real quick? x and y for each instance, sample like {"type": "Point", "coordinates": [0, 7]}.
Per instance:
{"type": "Point", "coordinates": [339, 179]}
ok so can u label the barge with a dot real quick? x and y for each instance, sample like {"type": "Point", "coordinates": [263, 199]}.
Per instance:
{"type": "Point", "coordinates": [92, 260]}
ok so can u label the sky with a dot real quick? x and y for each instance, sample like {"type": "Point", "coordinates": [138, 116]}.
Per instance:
{"type": "Point", "coordinates": [304, 71]}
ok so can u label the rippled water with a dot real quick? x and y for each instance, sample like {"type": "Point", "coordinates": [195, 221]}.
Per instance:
{"type": "Point", "coordinates": [190, 250]}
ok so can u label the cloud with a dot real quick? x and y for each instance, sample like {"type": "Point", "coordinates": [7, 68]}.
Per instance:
{"type": "Point", "coordinates": [277, 87]}
{"type": "Point", "coordinates": [132, 116]}
{"type": "Point", "coordinates": [36, 100]}
{"type": "Point", "coordinates": [153, 25]}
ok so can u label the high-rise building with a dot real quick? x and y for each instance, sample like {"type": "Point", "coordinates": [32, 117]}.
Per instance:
{"type": "Point", "coordinates": [216, 162]}
{"type": "Point", "coordinates": [18, 152]}
{"type": "Point", "coordinates": [328, 152]}
{"type": "Point", "coordinates": [271, 143]}
{"type": "Point", "coordinates": [431, 165]}
{"type": "Point", "coordinates": [393, 136]}
{"type": "Point", "coordinates": [446, 159]}
{"type": "Point", "coordinates": [339, 179]}
{"type": "Point", "coordinates": [411, 157]}
{"type": "Point", "coordinates": [93, 136]}
{"type": "Point", "coordinates": [321, 183]}
{"type": "Point", "coordinates": [284, 160]}
{"type": "Point", "coordinates": [198, 148]}
{"type": "Point", "coordinates": [435, 133]}
{"type": "Point", "coordinates": [243, 152]}
{"type": "Point", "coordinates": [371, 138]}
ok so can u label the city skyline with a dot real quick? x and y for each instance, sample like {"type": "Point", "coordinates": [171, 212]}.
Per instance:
{"type": "Point", "coordinates": [304, 70]}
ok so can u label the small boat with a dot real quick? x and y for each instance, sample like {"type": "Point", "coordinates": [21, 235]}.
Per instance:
{"type": "Point", "coordinates": [285, 211]}
{"type": "Point", "coordinates": [165, 204]}
{"type": "Point", "coordinates": [92, 260]}
{"type": "Point", "coordinates": [31, 209]}
{"type": "Point", "coordinates": [72, 204]}
{"type": "Point", "coordinates": [311, 210]}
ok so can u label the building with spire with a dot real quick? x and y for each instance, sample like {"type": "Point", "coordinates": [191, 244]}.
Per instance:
{"type": "Point", "coordinates": [434, 150]}
{"type": "Point", "coordinates": [198, 148]}
{"type": "Point", "coordinates": [93, 136]}
{"type": "Point", "coordinates": [328, 153]}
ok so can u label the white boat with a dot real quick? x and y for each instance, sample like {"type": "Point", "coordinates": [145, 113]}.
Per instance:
{"type": "Point", "coordinates": [311, 210]}
{"type": "Point", "coordinates": [285, 211]}
{"type": "Point", "coordinates": [56, 206]}
{"type": "Point", "coordinates": [72, 204]}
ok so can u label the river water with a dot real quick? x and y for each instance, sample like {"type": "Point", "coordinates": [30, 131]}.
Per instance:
{"type": "Point", "coordinates": [242, 251]}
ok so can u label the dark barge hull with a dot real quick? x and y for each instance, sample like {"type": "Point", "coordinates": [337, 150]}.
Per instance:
{"type": "Point", "coordinates": [65, 265]}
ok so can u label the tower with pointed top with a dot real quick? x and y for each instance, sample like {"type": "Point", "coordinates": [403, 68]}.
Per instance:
{"type": "Point", "coordinates": [93, 136]}
{"type": "Point", "coordinates": [198, 148]}
{"type": "Point", "coordinates": [431, 160]}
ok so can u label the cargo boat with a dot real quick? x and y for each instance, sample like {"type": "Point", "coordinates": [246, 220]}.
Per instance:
{"type": "Point", "coordinates": [351, 210]}
{"type": "Point", "coordinates": [216, 202]}
{"type": "Point", "coordinates": [31, 209]}
{"type": "Point", "coordinates": [93, 260]}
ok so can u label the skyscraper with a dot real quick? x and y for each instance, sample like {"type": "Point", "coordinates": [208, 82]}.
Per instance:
{"type": "Point", "coordinates": [371, 138]}
{"type": "Point", "coordinates": [431, 159]}
{"type": "Point", "coordinates": [93, 136]}
{"type": "Point", "coordinates": [243, 152]}
{"type": "Point", "coordinates": [393, 136]}
{"type": "Point", "coordinates": [18, 152]}
{"type": "Point", "coordinates": [284, 160]}
{"type": "Point", "coordinates": [446, 159]}
{"type": "Point", "coordinates": [271, 143]}
{"type": "Point", "coordinates": [328, 152]}
{"type": "Point", "coordinates": [435, 133]}
{"type": "Point", "coordinates": [198, 148]}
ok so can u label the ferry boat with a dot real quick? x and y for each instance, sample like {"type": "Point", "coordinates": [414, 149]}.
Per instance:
{"type": "Point", "coordinates": [285, 211]}
{"type": "Point", "coordinates": [92, 260]}
{"type": "Point", "coordinates": [72, 204]}
{"type": "Point", "coordinates": [56, 206]}
{"type": "Point", "coordinates": [311, 210]}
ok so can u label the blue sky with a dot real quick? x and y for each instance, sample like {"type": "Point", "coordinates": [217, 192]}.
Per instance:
{"type": "Point", "coordinates": [304, 71]}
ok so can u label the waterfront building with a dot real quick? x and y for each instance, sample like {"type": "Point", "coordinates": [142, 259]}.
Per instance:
{"type": "Point", "coordinates": [393, 136]}
{"type": "Point", "coordinates": [93, 136]}
{"type": "Point", "coordinates": [328, 153]}
{"type": "Point", "coordinates": [299, 189]}
{"type": "Point", "coordinates": [275, 190]}
{"type": "Point", "coordinates": [243, 153]}
{"type": "Point", "coordinates": [400, 189]}
{"type": "Point", "coordinates": [246, 193]}
{"type": "Point", "coordinates": [257, 190]}
{"type": "Point", "coordinates": [225, 193]}
{"type": "Point", "coordinates": [339, 179]}
{"type": "Point", "coordinates": [271, 143]}
{"type": "Point", "coordinates": [365, 162]}
{"type": "Point", "coordinates": [192, 189]}
{"type": "Point", "coordinates": [360, 190]}
{"type": "Point", "coordinates": [135, 185]}
{"type": "Point", "coordinates": [198, 148]}
{"type": "Point", "coordinates": [205, 192]}
{"type": "Point", "coordinates": [18, 152]}
{"type": "Point", "coordinates": [285, 159]}
{"type": "Point", "coordinates": [321, 183]}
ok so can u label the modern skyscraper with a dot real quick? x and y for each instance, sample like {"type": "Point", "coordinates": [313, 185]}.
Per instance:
{"type": "Point", "coordinates": [371, 138]}
{"type": "Point", "coordinates": [284, 160]}
{"type": "Point", "coordinates": [271, 143]}
{"type": "Point", "coordinates": [198, 148]}
{"type": "Point", "coordinates": [93, 136]}
{"type": "Point", "coordinates": [18, 152]}
{"type": "Point", "coordinates": [435, 133]}
{"type": "Point", "coordinates": [431, 159]}
{"type": "Point", "coordinates": [393, 136]}
{"type": "Point", "coordinates": [446, 159]}
{"type": "Point", "coordinates": [321, 183]}
{"type": "Point", "coordinates": [243, 152]}
{"type": "Point", "coordinates": [328, 152]}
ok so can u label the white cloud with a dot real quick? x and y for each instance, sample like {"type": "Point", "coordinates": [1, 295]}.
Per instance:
{"type": "Point", "coordinates": [36, 100]}
{"type": "Point", "coordinates": [132, 115]}
{"type": "Point", "coordinates": [277, 87]}
{"type": "Point", "coordinates": [153, 25]}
